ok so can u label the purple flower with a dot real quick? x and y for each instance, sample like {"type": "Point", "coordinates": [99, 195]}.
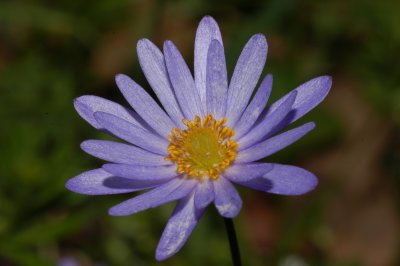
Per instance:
{"type": "Point", "coordinates": [209, 134]}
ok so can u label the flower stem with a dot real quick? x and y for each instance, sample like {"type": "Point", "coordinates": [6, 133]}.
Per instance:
{"type": "Point", "coordinates": [233, 244]}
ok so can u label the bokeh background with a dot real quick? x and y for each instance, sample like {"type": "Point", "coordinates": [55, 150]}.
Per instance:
{"type": "Point", "coordinates": [54, 51]}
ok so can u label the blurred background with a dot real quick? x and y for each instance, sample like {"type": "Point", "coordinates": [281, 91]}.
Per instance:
{"type": "Point", "coordinates": [54, 51]}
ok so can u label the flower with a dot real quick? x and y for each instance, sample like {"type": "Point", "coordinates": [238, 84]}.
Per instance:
{"type": "Point", "coordinates": [209, 134]}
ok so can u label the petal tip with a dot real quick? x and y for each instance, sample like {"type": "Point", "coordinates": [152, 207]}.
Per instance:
{"type": "Point", "coordinates": [311, 125]}
{"type": "Point", "coordinates": [70, 184]}
{"type": "Point", "coordinates": [143, 44]}
{"type": "Point", "coordinates": [312, 184]}
{"type": "Point", "coordinates": [168, 47]}
{"type": "Point", "coordinates": [160, 255]}
{"type": "Point", "coordinates": [114, 212]}
{"type": "Point", "coordinates": [121, 78]}
{"type": "Point", "coordinates": [260, 39]}
{"type": "Point", "coordinates": [208, 19]}
{"type": "Point", "coordinates": [85, 145]}
{"type": "Point", "coordinates": [74, 184]}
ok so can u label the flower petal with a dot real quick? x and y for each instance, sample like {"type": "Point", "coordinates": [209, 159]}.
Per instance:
{"type": "Point", "coordinates": [132, 134]}
{"type": "Point", "coordinates": [268, 124]}
{"type": "Point", "coordinates": [207, 31]}
{"type": "Point", "coordinates": [145, 105]}
{"type": "Point", "coordinates": [309, 95]}
{"type": "Point", "coordinates": [100, 182]}
{"type": "Point", "coordinates": [244, 172]}
{"type": "Point", "coordinates": [258, 183]}
{"type": "Point", "coordinates": [179, 227]}
{"type": "Point", "coordinates": [152, 62]}
{"type": "Point", "coordinates": [245, 77]}
{"type": "Point", "coordinates": [274, 144]}
{"type": "Point", "coordinates": [227, 199]}
{"type": "Point", "coordinates": [217, 80]}
{"type": "Point", "coordinates": [182, 82]}
{"type": "Point", "coordinates": [204, 194]}
{"type": "Point", "coordinates": [290, 180]}
{"type": "Point", "coordinates": [140, 172]}
{"type": "Point", "coordinates": [283, 180]}
{"type": "Point", "coordinates": [121, 153]}
{"type": "Point", "coordinates": [254, 109]}
{"type": "Point", "coordinates": [175, 189]}
{"type": "Point", "coordinates": [87, 105]}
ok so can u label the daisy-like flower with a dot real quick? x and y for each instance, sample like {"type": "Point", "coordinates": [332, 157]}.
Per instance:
{"type": "Point", "coordinates": [208, 134]}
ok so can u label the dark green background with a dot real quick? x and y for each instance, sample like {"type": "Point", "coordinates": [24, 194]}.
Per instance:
{"type": "Point", "coordinates": [54, 51]}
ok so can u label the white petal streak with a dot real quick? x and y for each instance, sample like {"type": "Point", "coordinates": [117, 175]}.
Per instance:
{"type": "Point", "coordinates": [227, 199]}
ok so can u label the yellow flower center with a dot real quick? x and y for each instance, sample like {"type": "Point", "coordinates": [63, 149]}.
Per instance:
{"type": "Point", "coordinates": [204, 149]}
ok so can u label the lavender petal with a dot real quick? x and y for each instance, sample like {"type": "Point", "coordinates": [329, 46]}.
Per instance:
{"type": "Point", "coordinates": [284, 180]}
{"type": "Point", "coordinates": [204, 194]}
{"type": "Point", "coordinates": [145, 105]}
{"type": "Point", "coordinates": [87, 105]}
{"type": "Point", "coordinates": [132, 134]}
{"type": "Point", "coordinates": [254, 109]}
{"type": "Point", "coordinates": [174, 189]}
{"type": "Point", "coordinates": [179, 227]}
{"type": "Point", "coordinates": [245, 77]}
{"type": "Point", "coordinates": [122, 153]}
{"type": "Point", "coordinates": [227, 199]}
{"type": "Point", "coordinates": [152, 62]}
{"type": "Point", "coordinates": [100, 182]}
{"type": "Point", "coordinates": [309, 95]}
{"type": "Point", "coordinates": [244, 172]}
{"type": "Point", "coordinates": [182, 82]}
{"type": "Point", "coordinates": [217, 80]}
{"type": "Point", "coordinates": [274, 144]}
{"type": "Point", "coordinates": [140, 172]}
{"type": "Point", "coordinates": [268, 124]}
{"type": "Point", "coordinates": [207, 31]}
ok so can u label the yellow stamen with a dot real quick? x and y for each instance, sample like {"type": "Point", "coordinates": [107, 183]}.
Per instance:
{"type": "Point", "coordinates": [204, 149]}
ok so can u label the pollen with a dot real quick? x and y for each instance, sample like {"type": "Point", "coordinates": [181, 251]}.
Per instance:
{"type": "Point", "coordinates": [204, 149]}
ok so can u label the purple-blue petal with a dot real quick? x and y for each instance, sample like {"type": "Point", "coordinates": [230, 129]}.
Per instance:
{"type": "Point", "coordinates": [309, 95]}
{"type": "Point", "coordinates": [204, 194]}
{"type": "Point", "coordinates": [274, 144]}
{"type": "Point", "coordinates": [217, 80]}
{"type": "Point", "coordinates": [100, 182]}
{"type": "Point", "coordinates": [227, 199]}
{"type": "Point", "coordinates": [283, 180]}
{"type": "Point", "coordinates": [140, 172]}
{"type": "Point", "coordinates": [179, 227]}
{"type": "Point", "coordinates": [245, 77]}
{"type": "Point", "coordinates": [174, 189]}
{"type": "Point", "coordinates": [132, 134]}
{"type": "Point", "coordinates": [268, 124]}
{"type": "Point", "coordinates": [182, 82]}
{"type": "Point", "coordinates": [207, 31]}
{"type": "Point", "coordinates": [116, 152]}
{"type": "Point", "coordinates": [244, 172]}
{"type": "Point", "coordinates": [254, 109]}
{"type": "Point", "coordinates": [152, 62]}
{"type": "Point", "coordinates": [87, 105]}
{"type": "Point", "coordinates": [290, 180]}
{"type": "Point", "coordinates": [145, 105]}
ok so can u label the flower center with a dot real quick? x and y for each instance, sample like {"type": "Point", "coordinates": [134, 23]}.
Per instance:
{"type": "Point", "coordinates": [204, 149]}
